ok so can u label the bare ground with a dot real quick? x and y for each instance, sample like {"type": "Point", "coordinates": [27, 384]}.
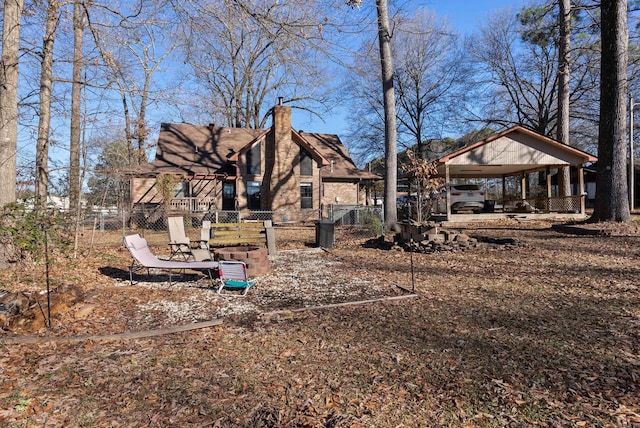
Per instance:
{"type": "Point", "coordinates": [545, 334]}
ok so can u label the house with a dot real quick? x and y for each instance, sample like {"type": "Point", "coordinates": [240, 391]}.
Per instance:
{"type": "Point", "coordinates": [235, 169]}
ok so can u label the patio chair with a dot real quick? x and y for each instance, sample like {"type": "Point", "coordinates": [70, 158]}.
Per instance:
{"type": "Point", "coordinates": [205, 235]}
{"type": "Point", "coordinates": [143, 258]}
{"type": "Point", "coordinates": [233, 276]}
{"type": "Point", "coordinates": [180, 244]}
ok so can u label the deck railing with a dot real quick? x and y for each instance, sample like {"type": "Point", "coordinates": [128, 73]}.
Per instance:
{"type": "Point", "coordinates": [193, 204]}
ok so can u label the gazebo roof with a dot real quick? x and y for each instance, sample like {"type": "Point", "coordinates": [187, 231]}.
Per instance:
{"type": "Point", "coordinates": [511, 152]}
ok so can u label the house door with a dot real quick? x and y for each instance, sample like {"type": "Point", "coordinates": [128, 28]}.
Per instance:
{"type": "Point", "coordinates": [229, 196]}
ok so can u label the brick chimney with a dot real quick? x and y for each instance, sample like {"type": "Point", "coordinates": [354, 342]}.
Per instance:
{"type": "Point", "coordinates": [281, 156]}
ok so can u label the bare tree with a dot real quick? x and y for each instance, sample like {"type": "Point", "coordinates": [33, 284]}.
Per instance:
{"type": "Point", "coordinates": [44, 120]}
{"type": "Point", "coordinates": [366, 109]}
{"type": "Point", "coordinates": [245, 55]}
{"type": "Point", "coordinates": [429, 72]}
{"type": "Point", "coordinates": [612, 203]}
{"type": "Point", "coordinates": [564, 70]}
{"type": "Point", "coordinates": [9, 99]}
{"type": "Point", "coordinates": [515, 55]}
{"type": "Point", "coordinates": [76, 117]}
{"type": "Point", "coordinates": [390, 133]}
{"type": "Point", "coordinates": [520, 77]}
{"type": "Point", "coordinates": [133, 51]}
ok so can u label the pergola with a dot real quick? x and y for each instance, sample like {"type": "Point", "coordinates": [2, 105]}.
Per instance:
{"type": "Point", "coordinates": [517, 152]}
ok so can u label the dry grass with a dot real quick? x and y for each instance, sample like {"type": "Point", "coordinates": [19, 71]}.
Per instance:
{"type": "Point", "coordinates": [547, 334]}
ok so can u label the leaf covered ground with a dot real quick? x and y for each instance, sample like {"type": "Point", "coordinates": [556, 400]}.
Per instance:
{"type": "Point", "coordinates": [544, 334]}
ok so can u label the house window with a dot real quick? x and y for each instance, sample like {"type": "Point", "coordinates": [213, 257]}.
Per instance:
{"type": "Point", "coordinates": [229, 196]}
{"type": "Point", "coordinates": [181, 190]}
{"type": "Point", "coordinates": [306, 195]}
{"type": "Point", "coordinates": [306, 163]}
{"type": "Point", "coordinates": [253, 195]}
{"type": "Point", "coordinates": [253, 159]}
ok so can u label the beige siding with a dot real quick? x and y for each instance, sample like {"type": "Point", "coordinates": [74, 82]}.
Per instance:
{"type": "Point", "coordinates": [515, 149]}
{"type": "Point", "coordinates": [143, 191]}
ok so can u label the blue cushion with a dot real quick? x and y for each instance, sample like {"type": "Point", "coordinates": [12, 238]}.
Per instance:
{"type": "Point", "coordinates": [234, 283]}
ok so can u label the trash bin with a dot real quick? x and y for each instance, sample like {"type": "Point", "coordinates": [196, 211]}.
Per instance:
{"type": "Point", "coordinates": [324, 233]}
{"type": "Point", "coordinates": [489, 206]}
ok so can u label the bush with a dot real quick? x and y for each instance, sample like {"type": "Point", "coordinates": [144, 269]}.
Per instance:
{"type": "Point", "coordinates": [25, 230]}
{"type": "Point", "coordinates": [371, 222]}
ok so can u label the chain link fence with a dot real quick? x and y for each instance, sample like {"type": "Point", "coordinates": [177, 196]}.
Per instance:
{"type": "Point", "coordinates": [351, 222]}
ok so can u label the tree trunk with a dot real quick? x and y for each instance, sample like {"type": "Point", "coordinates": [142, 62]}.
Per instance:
{"type": "Point", "coordinates": [9, 99]}
{"type": "Point", "coordinates": [44, 122]}
{"type": "Point", "coordinates": [612, 203]}
{"type": "Point", "coordinates": [127, 129]}
{"type": "Point", "coordinates": [141, 126]}
{"type": "Point", "coordinates": [564, 61]}
{"type": "Point", "coordinates": [76, 119]}
{"type": "Point", "coordinates": [390, 143]}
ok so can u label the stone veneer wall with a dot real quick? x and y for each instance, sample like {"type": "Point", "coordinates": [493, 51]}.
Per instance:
{"type": "Point", "coordinates": [282, 178]}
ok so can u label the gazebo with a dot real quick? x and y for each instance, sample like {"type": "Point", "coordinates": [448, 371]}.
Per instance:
{"type": "Point", "coordinates": [518, 152]}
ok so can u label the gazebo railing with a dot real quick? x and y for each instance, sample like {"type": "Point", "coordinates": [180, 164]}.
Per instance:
{"type": "Point", "coordinates": [559, 204]}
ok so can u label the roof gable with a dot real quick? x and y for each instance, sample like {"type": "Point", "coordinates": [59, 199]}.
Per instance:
{"type": "Point", "coordinates": [514, 150]}
{"type": "Point", "coordinates": [197, 150]}
{"type": "Point", "coordinates": [339, 162]}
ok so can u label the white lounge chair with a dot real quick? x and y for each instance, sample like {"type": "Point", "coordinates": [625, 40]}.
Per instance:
{"type": "Point", "coordinates": [180, 244]}
{"type": "Point", "coordinates": [143, 258]}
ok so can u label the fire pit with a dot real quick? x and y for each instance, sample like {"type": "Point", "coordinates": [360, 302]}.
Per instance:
{"type": "Point", "coordinates": [256, 258]}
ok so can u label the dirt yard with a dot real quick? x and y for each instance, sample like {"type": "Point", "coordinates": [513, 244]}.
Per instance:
{"type": "Point", "coordinates": [543, 334]}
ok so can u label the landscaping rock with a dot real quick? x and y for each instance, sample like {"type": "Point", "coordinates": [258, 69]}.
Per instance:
{"type": "Point", "coordinates": [428, 238]}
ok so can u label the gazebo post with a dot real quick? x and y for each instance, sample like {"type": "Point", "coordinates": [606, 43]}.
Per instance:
{"type": "Point", "coordinates": [581, 191]}
{"type": "Point", "coordinates": [548, 180]}
{"type": "Point", "coordinates": [447, 178]}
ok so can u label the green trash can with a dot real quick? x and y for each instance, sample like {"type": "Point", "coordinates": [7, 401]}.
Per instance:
{"type": "Point", "coordinates": [324, 233]}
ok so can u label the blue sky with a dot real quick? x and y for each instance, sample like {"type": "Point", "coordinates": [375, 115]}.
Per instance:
{"type": "Point", "coordinates": [464, 16]}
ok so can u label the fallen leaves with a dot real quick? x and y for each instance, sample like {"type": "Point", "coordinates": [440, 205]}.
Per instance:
{"type": "Point", "coordinates": [543, 335]}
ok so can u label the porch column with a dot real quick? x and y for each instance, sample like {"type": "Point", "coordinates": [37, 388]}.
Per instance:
{"type": "Point", "coordinates": [581, 190]}
{"type": "Point", "coordinates": [523, 186]}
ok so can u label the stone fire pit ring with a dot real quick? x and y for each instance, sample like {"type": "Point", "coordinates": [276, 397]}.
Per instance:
{"type": "Point", "coordinates": [256, 258]}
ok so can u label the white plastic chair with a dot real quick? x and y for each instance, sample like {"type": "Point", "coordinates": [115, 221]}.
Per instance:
{"type": "Point", "coordinates": [180, 244]}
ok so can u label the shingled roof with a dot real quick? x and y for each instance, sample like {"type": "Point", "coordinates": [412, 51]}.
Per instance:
{"type": "Point", "coordinates": [332, 149]}
{"type": "Point", "coordinates": [206, 151]}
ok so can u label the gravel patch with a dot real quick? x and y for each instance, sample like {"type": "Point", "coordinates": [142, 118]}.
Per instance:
{"type": "Point", "coordinates": [298, 279]}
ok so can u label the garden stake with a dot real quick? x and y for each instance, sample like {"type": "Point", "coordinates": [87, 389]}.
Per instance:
{"type": "Point", "coordinates": [413, 285]}
{"type": "Point", "coordinates": [46, 265]}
